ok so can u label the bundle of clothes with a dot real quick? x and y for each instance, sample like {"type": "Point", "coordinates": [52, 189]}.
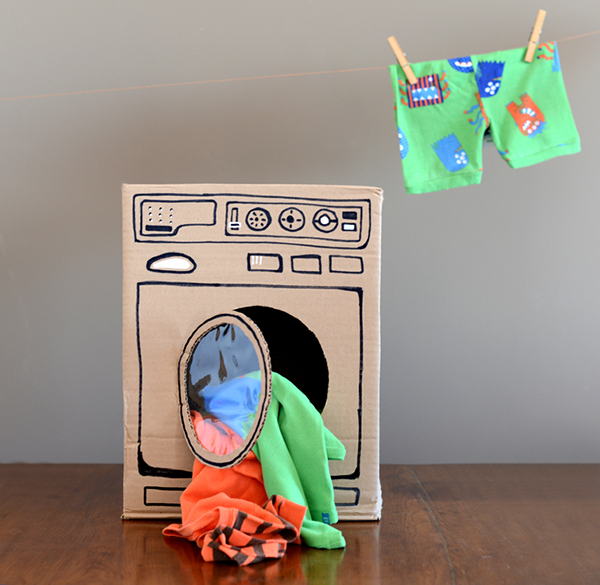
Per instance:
{"type": "Point", "coordinates": [280, 493]}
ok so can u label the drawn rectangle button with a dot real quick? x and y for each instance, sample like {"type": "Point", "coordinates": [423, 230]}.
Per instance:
{"type": "Point", "coordinates": [307, 264]}
{"type": "Point", "coordinates": [265, 263]}
{"type": "Point", "coordinates": [346, 496]}
{"type": "Point", "coordinates": [162, 496]}
{"type": "Point", "coordinates": [346, 264]}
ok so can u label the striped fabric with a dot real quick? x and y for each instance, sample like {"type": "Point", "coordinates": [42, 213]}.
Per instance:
{"type": "Point", "coordinates": [425, 92]}
{"type": "Point", "coordinates": [228, 514]}
{"type": "Point", "coordinates": [428, 90]}
{"type": "Point", "coordinates": [250, 538]}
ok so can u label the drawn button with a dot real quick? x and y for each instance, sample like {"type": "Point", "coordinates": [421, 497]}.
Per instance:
{"type": "Point", "coordinates": [171, 262]}
{"type": "Point", "coordinates": [308, 264]}
{"type": "Point", "coordinates": [258, 219]}
{"type": "Point", "coordinates": [325, 220]}
{"type": "Point", "coordinates": [346, 264]}
{"type": "Point", "coordinates": [265, 263]}
{"type": "Point", "coordinates": [291, 219]}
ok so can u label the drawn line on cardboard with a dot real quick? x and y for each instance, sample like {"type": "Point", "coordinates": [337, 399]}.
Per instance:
{"type": "Point", "coordinates": [206, 81]}
{"type": "Point", "coordinates": [141, 234]}
{"type": "Point", "coordinates": [144, 468]}
{"type": "Point", "coordinates": [158, 496]}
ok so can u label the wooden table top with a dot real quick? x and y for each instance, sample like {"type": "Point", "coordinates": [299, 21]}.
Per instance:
{"type": "Point", "coordinates": [442, 524]}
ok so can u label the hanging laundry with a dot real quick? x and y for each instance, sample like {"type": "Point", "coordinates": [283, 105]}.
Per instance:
{"type": "Point", "coordinates": [441, 119]}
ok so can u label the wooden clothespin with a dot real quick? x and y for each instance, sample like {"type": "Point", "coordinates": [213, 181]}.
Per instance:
{"type": "Point", "coordinates": [535, 35]}
{"type": "Point", "coordinates": [402, 60]}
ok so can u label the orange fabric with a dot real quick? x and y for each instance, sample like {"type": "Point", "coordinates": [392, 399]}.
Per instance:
{"type": "Point", "coordinates": [230, 517]}
{"type": "Point", "coordinates": [198, 572]}
{"type": "Point", "coordinates": [215, 435]}
{"type": "Point", "coordinates": [239, 531]}
{"type": "Point", "coordinates": [243, 482]}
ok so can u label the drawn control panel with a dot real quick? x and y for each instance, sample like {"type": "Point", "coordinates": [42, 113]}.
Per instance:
{"type": "Point", "coordinates": [330, 222]}
{"type": "Point", "coordinates": [234, 218]}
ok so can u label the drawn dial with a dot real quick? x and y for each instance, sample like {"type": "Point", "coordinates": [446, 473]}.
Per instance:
{"type": "Point", "coordinates": [292, 219]}
{"type": "Point", "coordinates": [325, 220]}
{"type": "Point", "coordinates": [258, 219]}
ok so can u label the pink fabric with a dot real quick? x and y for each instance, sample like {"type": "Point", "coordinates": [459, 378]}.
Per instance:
{"type": "Point", "coordinates": [215, 435]}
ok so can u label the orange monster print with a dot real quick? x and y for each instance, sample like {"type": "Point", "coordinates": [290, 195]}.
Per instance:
{"type": "Point", "coordinates": [528, 117]}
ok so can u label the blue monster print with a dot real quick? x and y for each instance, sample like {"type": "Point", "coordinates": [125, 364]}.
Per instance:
{"type": "Point", "coordinates": [488, 77]}
{"type": "Point", "coordinates": [428, 90]}
{"type": "Point", "coordinates": [462, 64]}
{"type": "Point", "coordinates": [451, 153]}
{"type": "Point", "coordinates": [403, 143]}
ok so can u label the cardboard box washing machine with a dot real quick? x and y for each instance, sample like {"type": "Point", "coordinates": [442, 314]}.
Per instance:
{"type": "Point", "coordinates": [298, 267]}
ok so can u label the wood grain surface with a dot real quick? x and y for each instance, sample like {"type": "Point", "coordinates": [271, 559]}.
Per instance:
{"type": "Point", "coordinates": [445, 524]}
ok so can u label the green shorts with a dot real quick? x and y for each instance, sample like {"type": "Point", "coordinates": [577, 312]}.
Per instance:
{"type": "Point", "coordinates": [442, 118]}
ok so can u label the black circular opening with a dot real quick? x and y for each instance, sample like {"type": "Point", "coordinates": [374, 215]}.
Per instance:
{"type": "Point", "coordinates": [295, 351]}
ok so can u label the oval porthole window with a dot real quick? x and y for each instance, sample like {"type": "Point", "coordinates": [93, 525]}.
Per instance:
{"type": "Point", "coordinates": [224, 389]}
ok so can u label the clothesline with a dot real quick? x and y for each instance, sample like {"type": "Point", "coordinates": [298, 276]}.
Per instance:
{"type": "Point", "coordinates": [255, 78]}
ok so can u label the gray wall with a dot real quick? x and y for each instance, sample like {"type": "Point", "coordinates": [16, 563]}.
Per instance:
{"type": "Point", "coordinates": [490, 293]}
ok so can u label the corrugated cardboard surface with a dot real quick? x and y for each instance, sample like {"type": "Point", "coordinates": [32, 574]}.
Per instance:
{"type": "Point", "coordinates": [325, 272]}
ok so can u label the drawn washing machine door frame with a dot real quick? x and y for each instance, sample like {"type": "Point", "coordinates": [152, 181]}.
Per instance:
{"type": "Point", "coordinates": [254, 335]}
{"type": "Point", "coordinates": [162, 334]}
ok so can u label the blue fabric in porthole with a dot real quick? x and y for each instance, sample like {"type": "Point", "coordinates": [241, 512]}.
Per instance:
{"type": "Point", "coordinates": [234, 403]}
